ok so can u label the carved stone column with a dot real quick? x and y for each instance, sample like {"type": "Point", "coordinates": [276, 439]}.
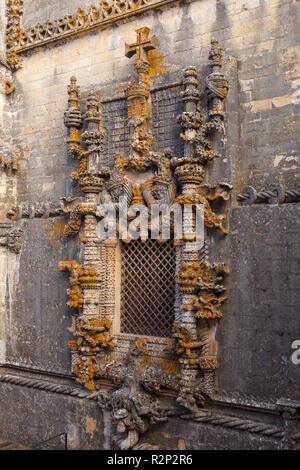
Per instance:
{"type": "Point", "coordinates": [109, 288]}
{"type": "Point", "coordinates": [217, 87]}
{"type": "Point", "coordinates": [189, 175]}
{"type": "Point", "coordinates": [92, 331]}
{"type": "Point", "coordinates": [197, 279]}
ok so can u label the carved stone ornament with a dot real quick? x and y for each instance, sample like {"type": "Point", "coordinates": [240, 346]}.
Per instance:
{"type": "Point", "coordinates": [11, 237]}
{"type": "Point", "coordinates": [7, 86]}
{"type": "Point", "coordinates": [132, 402]}
{"type": "Point", "coordinates": [8, 158]}
{"type": "Point", "coordinates": [134, 379]}
{"type": "Point", "coordinates": [13, 32]}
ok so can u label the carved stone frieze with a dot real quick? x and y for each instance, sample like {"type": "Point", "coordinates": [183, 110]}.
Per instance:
{"type": "Point", "coordinates": [37, 210]}
{"type": "Point", "coordinates": [108, 12]}
{"type": "Point", "coordinates": [161, 186]}
{"type": "Point", "coordinates": [80, 278]}
{"type": "Point", "coordinates": [138, 101]}
{"type": "Point", "coordinates": [87, 147]}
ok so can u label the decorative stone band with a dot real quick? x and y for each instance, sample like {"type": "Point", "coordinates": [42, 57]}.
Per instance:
{"type": "Point", "coordinates": [35, 210]}
{"type": "Point", "coordinates": [204, 416]}
{"type": "Point", "coordinates": [272, 194]}
{"type": "Point", "coordinates": [48, 386]}
{"type": "Point", "coordinates": [107, 13]}
{"type": "Point", "coordinates": [239, 424]}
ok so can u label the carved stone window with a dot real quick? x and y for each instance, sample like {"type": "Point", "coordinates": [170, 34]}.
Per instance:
{"type": "Point", "coordinates": [147, 287]}
{"type": "Point", "coordinates": [170, 290]}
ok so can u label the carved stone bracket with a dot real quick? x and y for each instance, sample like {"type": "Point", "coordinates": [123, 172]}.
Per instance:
{"type": "Point", "coordinates": [133, 401]}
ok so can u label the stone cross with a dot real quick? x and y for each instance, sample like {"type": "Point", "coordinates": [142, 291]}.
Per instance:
{"type": "Point", "coordinates": [142, 45]}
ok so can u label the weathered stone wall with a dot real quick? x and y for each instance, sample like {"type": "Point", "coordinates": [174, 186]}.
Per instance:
{"type": "Point", "coordinates": [84, 425]}
{"type": "Point", "coordinates": [261, 40]}
{"type": "Point", "coordinates": [79, 418]}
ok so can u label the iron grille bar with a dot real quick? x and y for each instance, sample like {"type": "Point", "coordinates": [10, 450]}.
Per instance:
{"type": "Point", "coordinates": [147, 288]}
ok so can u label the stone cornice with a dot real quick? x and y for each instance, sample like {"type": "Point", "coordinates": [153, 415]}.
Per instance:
{"type": "Point", "coordinates": [21, 40]}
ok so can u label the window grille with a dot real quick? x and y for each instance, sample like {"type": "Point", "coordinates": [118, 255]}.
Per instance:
{"type": "Point", "coordinates": [147, 287]}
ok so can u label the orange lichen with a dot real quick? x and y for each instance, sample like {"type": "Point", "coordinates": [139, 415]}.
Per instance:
{"type": "Point", "coordinates": [86, 369]}
{"type": "Point", "coordinates": [155, 59]}
{"type": "Point", "coordinates": [95, 333]}
{"type": "Point", "coordinates": [73, 139]}
{"type": "Point", "coordinates": [215, 194]}
{"type": "Point", "coordinates": [185, 341]}
{"type": "Point", "coordinates": [169, 366]}
{"type": "Point", "coordinates": [74, 224]}
{"type": "Point", "coordinates": [7, 87]}
{"type": "Point", "coordinates": [79, 278]}
{"type": "Point", "coordinates": [9, 161]}
{"type": "Point", "coordinates": [208, 362]}
{"type": "Point", "coordinates": [87, 278]}
{"type": "Point", "coordinates": [79, 152]}
{"type": "Point", "coordinates": [187, 276]}
{"type": "Point", "coordinates": [211, 219]}
{"type": "Point", "coordinates": [92, 335]}
{"type": "Point", "coordinates": [208, 303]}
{"type": "Point", "coordinates": [85, 209]}
{"type": "Point", "coordinates": [137, 94]}
{"type": "Point", "coordinates": [137, 195]}
{"type": "Point", "coordinates": [56, 231]}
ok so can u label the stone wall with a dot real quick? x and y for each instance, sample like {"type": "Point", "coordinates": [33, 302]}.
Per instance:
{"type": "Point", "coordinates": [260, 39]}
